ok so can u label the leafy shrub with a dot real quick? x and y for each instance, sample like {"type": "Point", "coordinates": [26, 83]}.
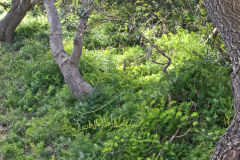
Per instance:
{"type": "Point", "coordinates": [33, 28]}
{"type": "Point", "coordinates": [109, 34]}
{"type": "Point", "coordinates": [197, 81]}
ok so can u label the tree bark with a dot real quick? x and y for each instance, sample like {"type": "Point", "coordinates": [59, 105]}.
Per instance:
{"type": "Point", "coordinates": [225, 14]}
{"type": "Point", "coordinates": [9, 23]}
{"type": "Point", "coordinates": [68, 65]}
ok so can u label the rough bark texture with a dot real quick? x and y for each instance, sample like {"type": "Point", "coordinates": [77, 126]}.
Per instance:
{"type": "Point", "coordinates": [81, 30]}
{"type": "Point", "coordinates": [68, 65]}
{"type": "Point", "coordinates": [225, 14]}
{"type": "Point", "coordinates": [9, 23]}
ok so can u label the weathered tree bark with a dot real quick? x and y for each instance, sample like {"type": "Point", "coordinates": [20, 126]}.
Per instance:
{"type": "Point", "coordinates": [225, 14]}
{"type": "Point", "coordinates": [68, 65]}
{"type": "Point", "coordinates": [9, 23]}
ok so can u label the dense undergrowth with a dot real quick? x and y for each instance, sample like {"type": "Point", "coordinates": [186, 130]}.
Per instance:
{"type": "Point", "coordinates": [130, 114]}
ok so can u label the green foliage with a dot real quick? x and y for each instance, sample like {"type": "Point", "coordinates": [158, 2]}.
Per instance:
{"type": "Point", "coordinates": [135, 108]}
{"type": "Point", "coordinates": [148, 133]}
{"type": "Point", "coordinates": [107, 34]}
{"type": "Point", "coordinates": [1, 10]}
{"type": "Point", "coordinates": [32, 28]}
{"type": "Point", "coordinates": [190, 82]}
{"type": "Point", "coordinates": [79, 148]}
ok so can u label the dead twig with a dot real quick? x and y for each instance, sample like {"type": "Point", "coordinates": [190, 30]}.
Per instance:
{"type": "Point", "coordinates": [184, 133]}
{"type": "Point", "coordinates": [173, 137]}
{"type": "Point", "coordinates": [170, 140]}
{"type": "Point", "coordinates": [154, 46]}
{"type": "Point", "coordinates": [106, 155]}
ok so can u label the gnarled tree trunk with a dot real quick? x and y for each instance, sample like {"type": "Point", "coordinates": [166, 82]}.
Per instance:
{"type": "Point", "coordinates": [9, 23]}
{"type": "Point", "coordinates": [68, 64]}
{"type": "Point", "coordinates": [225, 14]}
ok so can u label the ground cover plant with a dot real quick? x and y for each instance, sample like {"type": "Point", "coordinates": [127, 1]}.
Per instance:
{"type": "Point", "coordinates": [136, 111]}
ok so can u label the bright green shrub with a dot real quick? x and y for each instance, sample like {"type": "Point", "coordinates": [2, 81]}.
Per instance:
{"type": "Point", "coordinates": [49, 127]}
{"type": "Point", "coordinates": [104, 35]}
{"type": "Point", "coordinates": [81, 147]}
{"type": "Point", "coordinates": [32, 28]}
{"type": "Point", "coordinates": [148, 132]}
{"type": "Point", "coordinates": [12, 148]}
{"type": "Point", "coordinates": [198, 81]}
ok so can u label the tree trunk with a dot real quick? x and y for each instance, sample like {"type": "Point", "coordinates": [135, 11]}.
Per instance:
{"type": "Point", "coordinates": [9, 23]}
{"type": "Point", "coordinates": [225, 14]}
{"type": "Point", "coordinates": [68, 65]}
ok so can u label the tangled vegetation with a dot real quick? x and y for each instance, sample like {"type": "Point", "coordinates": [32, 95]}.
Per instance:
{"type": "Point", "coordinates": [136, 110]}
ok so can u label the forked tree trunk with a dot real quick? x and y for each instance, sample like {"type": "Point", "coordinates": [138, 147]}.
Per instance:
{"type": "Point", "coordinates": [68, 64]}
{"type": "Point", "coordinates": [9, 23]}
{"type": "Point", "coordinates": [225, 14]}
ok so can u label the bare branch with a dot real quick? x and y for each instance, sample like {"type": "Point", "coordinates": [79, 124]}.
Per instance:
{"type": "Point", "coordinates": [173, 137]}
{"type": "Point", "coordinates": [169, 141]}
{"type": "Point", "coordinates": [154, 61]}
{"type": "Point", "coordinates": [184, 133]}
{"type": "Point", "coordinates": [175, 134]}
{"type": "Point", "coordinates": [156, 47]}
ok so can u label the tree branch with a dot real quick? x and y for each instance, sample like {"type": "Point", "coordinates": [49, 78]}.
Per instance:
{"type": "Point", "coordinates": [156, 47]}
{"type": "Point", "coordinates": [78, 41]}
{"type": "Point", "coordinates": [71, 74]}
{"type": "Point", "coordinates": [56, 41]}
{"type": "Point", "coordinates": [81, 30]}
{"type": "Point", "coordinates": [169, 141]}
{"type": "Point", "coordinates": [173, 137]}
{"type": "Point", "coordinates": [184, 133]}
